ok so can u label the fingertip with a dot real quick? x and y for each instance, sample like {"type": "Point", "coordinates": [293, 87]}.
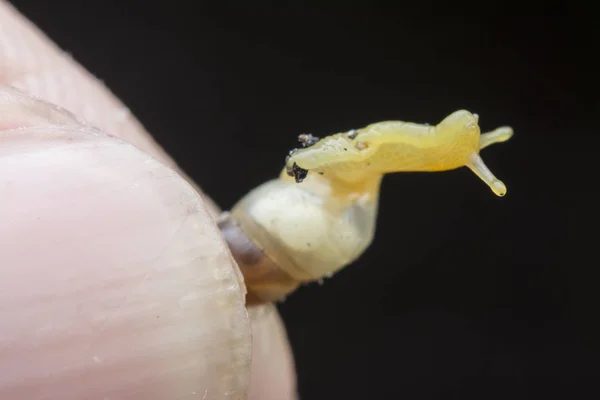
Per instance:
{"type": "Point", "coordinates": [273, 375]}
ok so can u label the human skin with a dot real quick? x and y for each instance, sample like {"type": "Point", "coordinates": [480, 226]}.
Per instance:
{"type": "Point", "coordinates": [114, 280]}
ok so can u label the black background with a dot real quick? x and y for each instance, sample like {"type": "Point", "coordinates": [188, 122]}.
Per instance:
{"type": "Point", "coordinates": [462, 294]}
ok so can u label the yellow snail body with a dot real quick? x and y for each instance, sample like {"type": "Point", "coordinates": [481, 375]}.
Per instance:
{"type": "Point", "coordinates": [319, 215]}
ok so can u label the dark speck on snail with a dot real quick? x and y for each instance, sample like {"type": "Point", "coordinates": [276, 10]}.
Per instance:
{"type": "Point", "coordinates": [307, 139]}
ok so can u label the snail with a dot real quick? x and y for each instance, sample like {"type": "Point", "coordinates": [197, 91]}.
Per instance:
{"type": "Point", "coordinates": [319, 215]}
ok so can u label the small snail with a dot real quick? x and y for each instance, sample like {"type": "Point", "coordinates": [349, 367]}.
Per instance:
{"type": "Point", "coordinates": [319, 215]}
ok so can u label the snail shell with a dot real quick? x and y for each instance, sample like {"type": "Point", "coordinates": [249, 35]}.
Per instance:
{"type": "Point", "coordinates": [283, 233]}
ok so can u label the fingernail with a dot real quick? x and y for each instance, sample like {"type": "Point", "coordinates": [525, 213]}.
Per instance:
{"type": "Point", "coordinates": [114, 281]}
